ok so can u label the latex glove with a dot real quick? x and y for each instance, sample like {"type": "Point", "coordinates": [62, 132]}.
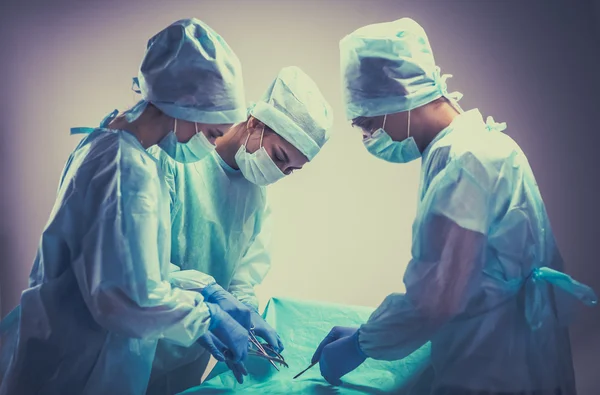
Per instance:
{"type": "Point", "coordinates": [339, 353]}
{"type": "Point", "coordinates": [238, 369]}
{"type": "Point", "coordinates": [218, 350]}
{"type": "Point", "coordinates": [232, 336]}
{"type": "Point", "coordinates": [266, 331]}
{"type": "Point", "coordinates": [216, 294]}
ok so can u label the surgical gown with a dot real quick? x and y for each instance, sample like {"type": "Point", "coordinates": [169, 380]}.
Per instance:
{"type": "Point", "coordinates": [99, 295]}
{"type": "Point", "coordinates": [485, 283]}
{"type": "Point", "coordinates": [220, 228]}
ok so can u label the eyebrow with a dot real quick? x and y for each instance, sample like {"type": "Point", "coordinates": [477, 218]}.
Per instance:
{"type": "Point", "coordinates": [363, 122]}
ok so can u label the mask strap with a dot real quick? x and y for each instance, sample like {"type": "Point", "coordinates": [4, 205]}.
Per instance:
{"type": "Point", "coordinates": [196, 125]}
{"type": "Point", "coordinates": [384, 118]}
{"type": "Point", "coordinates": [261, 138]}
{"type": "Point", "coordinates": [175, 127]}
{"type": "Point", "coordinates": [408, 123]}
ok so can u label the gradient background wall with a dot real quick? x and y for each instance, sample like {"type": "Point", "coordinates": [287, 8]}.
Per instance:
{"type": "Point", "coordinates": [343, 224]}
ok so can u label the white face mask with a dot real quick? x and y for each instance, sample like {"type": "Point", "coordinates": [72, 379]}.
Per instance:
{"type": "Point", "coordinates": [381, 145]}
{"type": "Point", "coordinates": [258, 167]}
{"type": "Point", "coordinates": [196, 149]}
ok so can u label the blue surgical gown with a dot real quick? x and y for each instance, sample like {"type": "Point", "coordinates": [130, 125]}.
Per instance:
{"type": "Point", "coordinates": [484, 284]}
{"type": "Point", "coordinates": [99, 296]}
{"type": "Point", "coordinates": [220, 227]}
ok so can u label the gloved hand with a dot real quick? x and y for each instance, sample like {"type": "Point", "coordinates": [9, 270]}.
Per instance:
{"type": "Point", "coordinates": [218, 350]}
{"type": "Point", "coordinates": [339, 353]}
{"type": "Point", "coordinates": [216, 294]}
{"type": "Point", "coordinates": [231, 335]}
{"type": "Point", "coordinates": [238, 369]}
{"type": "Point", "coordinates": [266, 331]}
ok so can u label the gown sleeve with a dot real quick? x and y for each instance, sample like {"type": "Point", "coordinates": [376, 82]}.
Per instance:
{"type": "Point", "coordinates": [119, 267]}
{"type": "Point", "coordinates": [255, 263]}
{"type": "Point", "coordinates": [449, 243]}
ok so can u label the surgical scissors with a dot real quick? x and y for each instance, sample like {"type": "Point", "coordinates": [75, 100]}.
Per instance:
{"type": "Point", "coordinates": [262, 351]}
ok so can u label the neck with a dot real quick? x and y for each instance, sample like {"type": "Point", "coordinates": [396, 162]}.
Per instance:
{"type": "Point", "coordinates": [229, 144]}
{"type": "Point", "coordinates": [148, 131]}
{"type": "Point", "coordinates": [428, 121]}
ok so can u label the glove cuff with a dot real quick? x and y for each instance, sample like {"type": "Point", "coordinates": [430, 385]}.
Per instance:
{"type": "Point", "coordinates": [215, 312]}
{"type": "Point", "coordinates": [357, 344]}
{"type": "Point", "coordinates": [208, 291]}
{"type": "Point", "coordinates": [252, 308]}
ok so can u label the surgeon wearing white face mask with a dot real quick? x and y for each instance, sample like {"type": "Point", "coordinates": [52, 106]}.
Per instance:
{"type": "Point", "coordinates": [220, 228]}
{"type": "Point", "coordinates": [220, 215]}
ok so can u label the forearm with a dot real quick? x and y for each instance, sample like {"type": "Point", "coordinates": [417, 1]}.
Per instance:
{"type": "Point", "coordinates": [396, 329]}
{"type": "Point", "coordinates": [172, 314]}
{"type": "Point", "coordinates": [192, 280]}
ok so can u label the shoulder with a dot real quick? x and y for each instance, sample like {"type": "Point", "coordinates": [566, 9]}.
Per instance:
{"type": "Point", "coordinates": [478, 154]}
{"type": "Point", "coordinates": [112, 156]}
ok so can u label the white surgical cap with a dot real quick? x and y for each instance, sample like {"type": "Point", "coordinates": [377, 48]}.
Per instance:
{"type": "Point", "coordinates": [388, 68]}
{"type": "Point", "coordinates": [296, 110]}
{"type": "Point", "coordinates": [190, 73]}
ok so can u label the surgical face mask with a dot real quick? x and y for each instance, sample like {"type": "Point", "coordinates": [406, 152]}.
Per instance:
{"type": "Point", "coordinates": [258, 167]}
{"type": "Point", "coordinates": [381, 145]}
{"type": "Point", "coordinates": [196, 149]}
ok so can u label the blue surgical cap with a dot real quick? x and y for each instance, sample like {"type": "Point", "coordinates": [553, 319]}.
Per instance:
{"type": "Point", "coordinates": [295, 109]}
{"type": "Point", "coordinates": [388, 68]}
{"type": "Point", "coordinates": [190, 73]}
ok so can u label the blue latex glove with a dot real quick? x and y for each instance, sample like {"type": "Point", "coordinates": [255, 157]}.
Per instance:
{"type": "Point", "coordinates": [266, 331]}
{"type": "Point", "coordinates": [339, 353]}
{"type": "Point", "coordinates": [216, 294]}
{"type": "Point", "coordinates": [211, 343]}
{"type": "Point", "coordinates": [232, 337]}
{"type": "Point", "coordinates": [238, 369]}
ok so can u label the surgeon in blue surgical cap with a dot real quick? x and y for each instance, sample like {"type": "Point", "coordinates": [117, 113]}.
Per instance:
{"type": "Point", "coordinates": [220, 213]}
{"type": "Point", "coordinates": [485, 283]}
{"type": "Point", "coordinates": [101, 292]}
